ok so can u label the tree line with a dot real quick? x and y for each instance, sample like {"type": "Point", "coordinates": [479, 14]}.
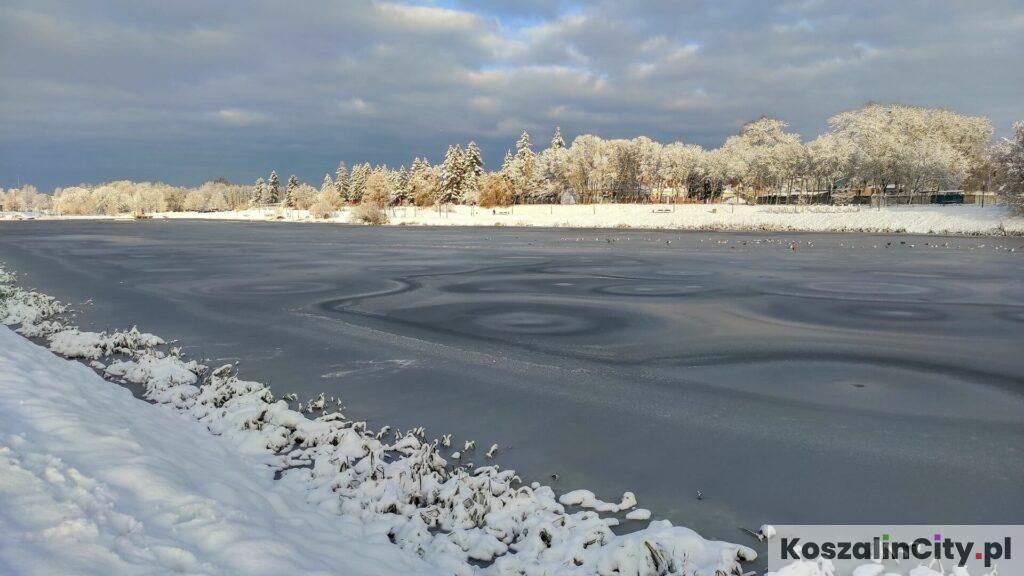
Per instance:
{"type": "Point", "coordinates": [892, 150]}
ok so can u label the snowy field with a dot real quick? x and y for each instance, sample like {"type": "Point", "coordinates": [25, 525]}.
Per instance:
{"type": "Point", "coordinates": [972, 220]}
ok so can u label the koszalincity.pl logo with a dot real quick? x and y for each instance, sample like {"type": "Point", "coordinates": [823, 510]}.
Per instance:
{"type": "Point", "coordinates": [886, 548]}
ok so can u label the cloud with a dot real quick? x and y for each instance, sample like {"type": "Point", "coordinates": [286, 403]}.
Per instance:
{"type": "Point", "coordinates": [239, 117]}
{"type": "Point", "coordinates": [92, 86]}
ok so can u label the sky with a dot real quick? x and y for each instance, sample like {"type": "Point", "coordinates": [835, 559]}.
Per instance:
{"type": "Point", "coordinates": [192, 90]}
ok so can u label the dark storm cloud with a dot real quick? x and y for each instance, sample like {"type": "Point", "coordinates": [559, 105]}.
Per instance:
{"type": "Point", "coordinates": [190, 90]}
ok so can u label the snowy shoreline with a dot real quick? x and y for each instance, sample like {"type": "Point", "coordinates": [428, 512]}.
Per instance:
{"type": "Point", "coordinates": [957, 220]}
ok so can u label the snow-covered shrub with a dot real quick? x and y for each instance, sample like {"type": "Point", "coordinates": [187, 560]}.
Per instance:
{"type": "Point", "coordinates": [371, 214]}
{"type": "Point", "coordinates": [322, 208]}
{"type": "Point", "coordinates": [34, 313]}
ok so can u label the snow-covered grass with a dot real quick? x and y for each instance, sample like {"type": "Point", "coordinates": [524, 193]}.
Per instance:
{"type": "Point", "coordinates": [107, 484]}
{"type": "Point", "coordinates": [93, 481]}
{"type": "Point", "coordinates": [963, 219]}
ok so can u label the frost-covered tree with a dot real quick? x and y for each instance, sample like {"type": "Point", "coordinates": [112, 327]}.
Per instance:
{"type": "Point", "coordinates": [764, 157]}
{"type": "Point", "coordinates": [907, 149]}
{"type": "Point", "coordinates": [473, 169]}
{"type": "Point", "coordinates": [827, 162]}
{"type": "Point", "coordinates": [195, 201]}
{"type": "Point", "coordinates": [293, 184]}
{"type": "Point", "coordinates": [303, 196]}
{"type": "Point", "coordinates": [25, 198]}
{"type": "Point", "coordinates": [216, 202]}
{"type": "Point", "coordinates": [357, 182]}
{"type": "Point", "coordinates": [1009, 168]}
{"type": "Point", "coordinates": [522, 171]}
{"type": "Point", "coordinates": [679, 165]}
{"type": "Point", "coordinates": [273, 189]}
{"type": "Point", "coordinates": [453, 175]}
{"type": "Point", "coordinates": [495, 190]}
{"type": "Point", "coordinates": [329, 192]}
{"type": "Point", "coordinates": [402, 192]}
{"type": "Point", "coordinates": [377, 189]}
{"type": "Point", "coordinates": [259, 190]}
{"type": "Point", "coordinates": [425, 188]}
{"type": "Point", "coordinates": [557, 142]}
{"type": "Point", "coordinates": [551, 172]}
{"type": "Point", "coordinates": [506, 164]}
{"type": "Point", "coordinates": [627, 162]}
{"type": "Point", "coordinates": [341, 183]}
{"type": "Point", "coordinates": [326, 200]}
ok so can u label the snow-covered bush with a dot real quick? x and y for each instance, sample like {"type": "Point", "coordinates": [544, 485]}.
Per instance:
{"type": "Point", "coordinates": [322, 208]}
{"type": "Point", "coordinates": [371, 214]}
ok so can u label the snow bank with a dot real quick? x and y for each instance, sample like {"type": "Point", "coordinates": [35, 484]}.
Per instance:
{"type": "Point", "coordinates": [963, 219]}
{"type": "Point", "coordinates": [96, 482]}
{"type": "Point", "coordinates": [379, 488]}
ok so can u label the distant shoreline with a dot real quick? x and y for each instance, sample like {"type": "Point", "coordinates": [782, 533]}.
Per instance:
{"type": "Point", "coordinates": [956, 220]}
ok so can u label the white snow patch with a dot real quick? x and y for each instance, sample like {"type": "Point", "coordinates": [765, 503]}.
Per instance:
{"type": "Point", "coordinates": [639, 514]}
{"type": "Point", "coordinates": [587, 499]}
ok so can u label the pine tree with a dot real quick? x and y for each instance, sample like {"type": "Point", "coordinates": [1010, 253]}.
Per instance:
{"type": "Point", "coordinates": [452, 176]}
{"type": "Point", "coordinates": [506, 164]}
{"type": "Point", "coordinates": [523, 143]}
{"type": "Point", "coordinates": [523, 167]}
{"type": "Point", "coordinates": [293, 184]}
{"type": "Point", "coordinates": [341, 182]}
{"type": "Point", "coordinates": [473, 170]}
{"type": "Point", "coordinates": [259, 191]}
{"type": "Point", "coordinates": [274, 191]}
{"type": "Point", "coordinates": [377, 189]}
{"type": "Point", "coordinates": [420, 167]}
{"type": "Point", "coordinates": [357, 182]}
{"type": "Point", "coordinates": [557, 142]}
{"type": "Point", "coordinates": [403, 187]}
{"type": "Point", "coordinates": [549, 174]}
{"type": "Point", "coordinates": [327, 186]}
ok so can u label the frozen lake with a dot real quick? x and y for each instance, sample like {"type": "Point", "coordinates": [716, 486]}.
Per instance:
{"type": "Point", "coordinates": [857, 379]}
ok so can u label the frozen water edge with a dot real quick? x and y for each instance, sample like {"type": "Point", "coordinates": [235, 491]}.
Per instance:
{"type": "Point", "coordinates": [397, 489]}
